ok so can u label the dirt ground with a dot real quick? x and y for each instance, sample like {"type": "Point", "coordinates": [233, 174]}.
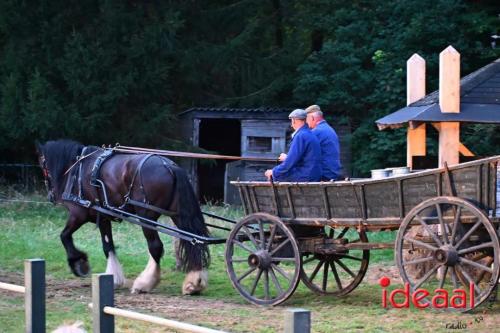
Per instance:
{"type": "Point", "coordinates": [216, 313]}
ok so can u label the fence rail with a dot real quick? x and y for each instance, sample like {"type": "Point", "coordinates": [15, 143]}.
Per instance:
{"type": "Point", "coordinates": [34, 294]}
{"type": "Point", "coordinates": [104, 312]}
{"type": "Point", "coordinates": [12, 287]}
{"type": "Point", "coordinates": [22, 177]}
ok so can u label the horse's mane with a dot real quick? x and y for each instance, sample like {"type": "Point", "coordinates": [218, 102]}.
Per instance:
{"type": "Point", "coordinates": [59, 155]}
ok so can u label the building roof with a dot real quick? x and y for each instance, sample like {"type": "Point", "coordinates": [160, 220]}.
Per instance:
{"type": "Point", "coordinates": [479, 102]}
{"type": "Point", "coordinates": [249, 112]}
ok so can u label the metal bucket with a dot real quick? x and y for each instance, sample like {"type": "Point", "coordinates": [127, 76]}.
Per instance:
{"type": "Point", "coordinates": [399, 171]}
{"type": "Point", "coordinates": [380, 173]}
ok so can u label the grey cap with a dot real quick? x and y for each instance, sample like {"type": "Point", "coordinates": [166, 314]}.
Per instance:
{"type": "Point", "coordinates": [298, 114]}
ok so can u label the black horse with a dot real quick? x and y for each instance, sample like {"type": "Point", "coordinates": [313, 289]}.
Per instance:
{"type": "Point", "coordinates": [154, 180]}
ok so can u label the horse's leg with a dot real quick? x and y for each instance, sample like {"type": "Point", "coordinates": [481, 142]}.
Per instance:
{"type": "Point", "coordinates": [77, 259]}
{"type": "Point", "coordinates": [150, 276]}
{"type": "Point", "coordinates": [113, 266]}
{"type": "Point", "coordinates": [196, 280]}
{"type": "Point", "coordinates": [176, 242]}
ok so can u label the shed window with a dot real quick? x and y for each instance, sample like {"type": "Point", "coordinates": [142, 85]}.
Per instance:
{"type": "Point", "coordinates": [260, 144]}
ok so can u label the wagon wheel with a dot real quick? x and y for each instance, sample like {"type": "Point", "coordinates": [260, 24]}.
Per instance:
{"type": "Point", "coordinates": [263, 259]}
{"type": "Point", "coordinates": [336, 272]}
{"type": "Point", "coordinates": [460, 246]}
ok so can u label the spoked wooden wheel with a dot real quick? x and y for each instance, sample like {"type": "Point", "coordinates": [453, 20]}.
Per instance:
{"type": "Point", "coordinates": [263, 259]}
{"type": "Point", "coordinates": [459, 245]}
{"type": "Point", "coordinates": [335, 270]}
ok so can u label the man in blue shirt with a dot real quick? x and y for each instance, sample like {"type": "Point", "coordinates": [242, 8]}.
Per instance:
{"type": "Point", "coordinates": [328, 141]}
{"type": "Point", "coordinates": [303, 162]}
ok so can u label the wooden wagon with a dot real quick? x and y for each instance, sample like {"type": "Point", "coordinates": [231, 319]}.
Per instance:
{"type": "Point", "coordinates": [317, 232]}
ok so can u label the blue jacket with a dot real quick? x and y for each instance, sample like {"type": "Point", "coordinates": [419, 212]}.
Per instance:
{"type": "Point", "coordinates": [330, 151]}
{"type": "Point", "coordinates": [303, 162]}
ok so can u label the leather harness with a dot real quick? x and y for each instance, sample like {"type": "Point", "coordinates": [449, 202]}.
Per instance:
{"type": "Point", "coordinates": [75, 178]}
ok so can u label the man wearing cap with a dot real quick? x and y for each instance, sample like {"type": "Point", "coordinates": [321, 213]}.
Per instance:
{"type": "Point", "coordinates": [303, 162]}
{"type": "Point", "coordinates": [328, 141]}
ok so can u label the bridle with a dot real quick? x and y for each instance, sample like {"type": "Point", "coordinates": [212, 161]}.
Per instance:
{"type": "Point", "coordinates": [47, 180]}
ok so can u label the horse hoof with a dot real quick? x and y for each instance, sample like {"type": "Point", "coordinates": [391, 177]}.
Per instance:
{"type": "Point", "coordinates": [135, 290]}
{"type": "Point", "coordinates": [81, 268]}
{"type": "Point", "coordinates": [195, 282]}
{"type": "Point", "coordinates": [141, 287]}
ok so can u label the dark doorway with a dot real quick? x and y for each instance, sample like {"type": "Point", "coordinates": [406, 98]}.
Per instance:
{"type": "Point", "coordinates": [222, 136]}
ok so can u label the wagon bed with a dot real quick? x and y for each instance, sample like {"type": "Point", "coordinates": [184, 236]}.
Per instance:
{"type": "Point", "coordinates": [374, 204]}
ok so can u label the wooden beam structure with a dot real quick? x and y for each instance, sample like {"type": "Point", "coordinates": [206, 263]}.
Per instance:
{"type": "Point", "coordinates": [449, 102]}
{"type": "Point", "coordinates": [462, 149]}
{"type": "Point", "coordinates": [415, 90]}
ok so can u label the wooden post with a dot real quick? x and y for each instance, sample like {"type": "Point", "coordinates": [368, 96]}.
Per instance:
{"type": "Point", "coordinates": [462, 149]}
{"type": "Point", "coordinates": [297, 321]}
{"type": "Point", "coordinates": [102, 295]}
{"type": "Point", "coordinates": [449, 102]}
{"type": "Point", "coordinates": [449, 137]}
{"type": "Point", "coordinates": [415, 90]}
{"type": "Point", "coordinates": [34, 296]}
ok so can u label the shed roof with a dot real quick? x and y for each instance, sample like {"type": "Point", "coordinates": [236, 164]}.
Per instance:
{"type": "Point", "coordinates": [479, 102]}
{"type": "Point", "coordinates": [258, 112]}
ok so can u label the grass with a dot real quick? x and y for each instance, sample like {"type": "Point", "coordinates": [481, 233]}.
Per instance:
{"type": "Point", "coordinates": [30, 230]}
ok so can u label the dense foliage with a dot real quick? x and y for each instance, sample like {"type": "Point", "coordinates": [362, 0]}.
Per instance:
{"type": "Point", "coordinates": [119, 71]}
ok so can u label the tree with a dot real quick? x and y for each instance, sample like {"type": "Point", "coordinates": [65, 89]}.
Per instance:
{"type": "Point", "coordinates": [359, 71]}
{"type": "Point", "coordinates": [115, 71]}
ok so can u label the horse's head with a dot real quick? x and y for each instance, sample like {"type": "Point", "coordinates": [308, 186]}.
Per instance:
{"type": "Point", "coordinates": [55, 157]}
{"type": "Point", "coordinates": [42, 161]}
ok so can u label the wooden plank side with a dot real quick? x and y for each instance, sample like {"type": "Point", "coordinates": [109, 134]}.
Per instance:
{"type": "Point", "coordinates": [485, 183]}
{"type": "Point", "coordinates": [344, 202]}
{"type": "Point", "coordinates": [416, 190]}
{"type": "Point", "coordinates": [283, 202]}
{"type": "Point", "coordinates": [479, 185]}
{"type": "Point", "coordinates": [243, 198]}
{"type": "Point", "coordinates": [382, 199]}
{"type": "Point", "coordinates": [464, 182]}
{"type": "Point", "coordinates": [264, 199]}
{"type": "Point", "coordinates": [250, 207]}
{"type": "Point", "coordinates": [493, 187]}
{"type": "Point", "coordinates": [290, 203]}
{"type": "Point", "coordinates": [307, 202]}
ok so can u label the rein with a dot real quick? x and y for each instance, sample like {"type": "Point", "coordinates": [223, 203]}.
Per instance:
{"type": "Point", "coordinates": [78, 160]}
{"type": "Point", "coordinates": [127, 149]}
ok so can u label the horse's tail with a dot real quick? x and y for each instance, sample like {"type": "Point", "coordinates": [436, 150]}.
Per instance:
{"type": "Point", "coordinates": [193, 257]}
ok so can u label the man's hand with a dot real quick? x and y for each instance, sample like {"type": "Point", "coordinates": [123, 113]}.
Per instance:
{"type": "Point", "coordinates": [282, 157]}
{"type": "Point", "coordinates": [268, 174]}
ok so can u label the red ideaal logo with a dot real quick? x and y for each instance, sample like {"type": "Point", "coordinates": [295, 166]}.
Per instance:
{"type": "Point", "coordinates": [440, 299]}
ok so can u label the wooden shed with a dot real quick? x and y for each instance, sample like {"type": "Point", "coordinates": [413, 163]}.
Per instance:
{"type": "Point", "coordinates": [248, 132]}
{"type": "Point", "coordinates": [257, 132]}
